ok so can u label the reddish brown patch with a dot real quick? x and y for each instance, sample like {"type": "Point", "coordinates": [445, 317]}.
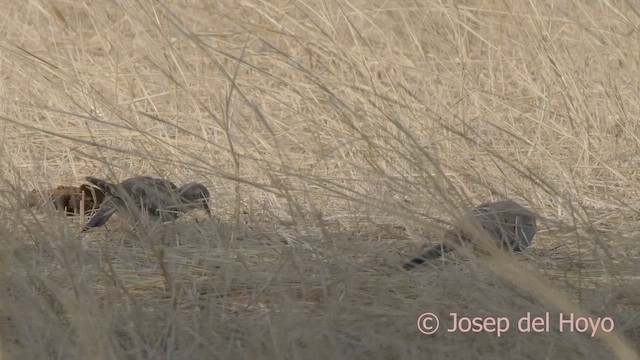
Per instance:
{"type": "Point", "coordinates": [71, 199]}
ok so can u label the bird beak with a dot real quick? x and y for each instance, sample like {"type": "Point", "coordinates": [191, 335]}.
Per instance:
{"type": "Point", "coordinates": [206, 207]}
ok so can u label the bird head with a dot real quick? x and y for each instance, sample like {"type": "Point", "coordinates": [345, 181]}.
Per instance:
{"type": "Point", "coordinates": [195, 193]}
{"type": "Point", "coordinates": [525, 227]}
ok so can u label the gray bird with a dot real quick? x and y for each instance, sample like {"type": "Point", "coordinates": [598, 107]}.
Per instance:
{"type": "Point", "coordinates": [139, 196]}
{"type": "Point", "coordinates": [510, 225]}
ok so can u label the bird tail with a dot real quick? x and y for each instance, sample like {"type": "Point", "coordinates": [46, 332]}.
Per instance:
{"type": "Point", "coordinates": [101, 216]}
{"type": "Point", "coordinates": [101, 184]}
{"type": "Point", "coordinates": [104, 186]}
{"type": "Point", "coordinates": [433, 253]}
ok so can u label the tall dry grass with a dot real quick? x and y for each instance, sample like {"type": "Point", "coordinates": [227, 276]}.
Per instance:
{"type": "Point", "coordinates": [337, 138]}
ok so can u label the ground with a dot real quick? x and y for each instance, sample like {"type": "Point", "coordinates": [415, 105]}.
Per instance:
{"type": "Point", "coordinates": [338, 139]}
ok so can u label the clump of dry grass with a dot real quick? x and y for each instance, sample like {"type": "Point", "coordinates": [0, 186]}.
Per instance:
{"type": "Point", "coordinates": [337, 138]}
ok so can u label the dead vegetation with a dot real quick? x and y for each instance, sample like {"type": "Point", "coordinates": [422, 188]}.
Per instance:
{"type": "Point", "coordinates": [73, 200]}
{"type": "Point", "coordinates": [337, 140]}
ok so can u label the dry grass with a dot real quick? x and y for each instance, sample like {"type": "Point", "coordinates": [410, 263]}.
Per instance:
{"type": "Point", "coordinates": [338, 138]}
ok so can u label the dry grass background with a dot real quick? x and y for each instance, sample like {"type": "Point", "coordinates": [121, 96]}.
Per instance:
{"type": "Point", "coordinates": [337, 138]}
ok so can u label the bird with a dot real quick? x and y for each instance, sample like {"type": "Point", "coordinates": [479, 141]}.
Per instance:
{"type": "Point", "coordinates": [508, 224]}
{"type": "Point", "coordinates": [159, 199]}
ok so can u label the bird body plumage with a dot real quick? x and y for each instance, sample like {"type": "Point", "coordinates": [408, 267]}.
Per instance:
{"type": "Point", "coordinates": [507, 224]}
{"type": "Point", "coordinates": [156, 198]}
